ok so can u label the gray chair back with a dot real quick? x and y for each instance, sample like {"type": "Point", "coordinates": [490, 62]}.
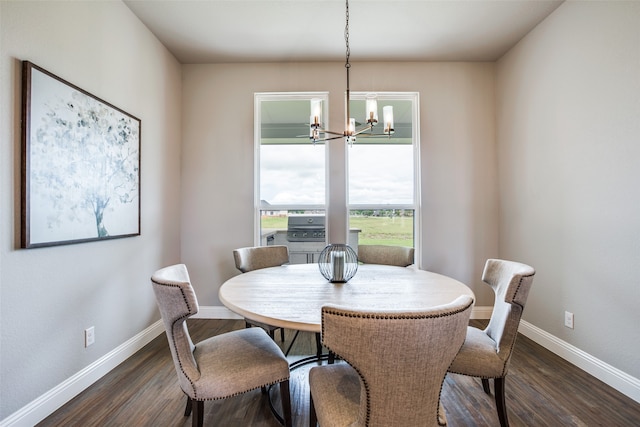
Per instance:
{"type": "Point", "coordinates": [400, 256]}
{"type": "Point", "coordinates": [177, 302]}
{"type": "Point", "coordinates": [257, 257]}
{"type": "Point", "coordinates": [511, 282]}
{"type": "Point", "coordinates": [402, 379]}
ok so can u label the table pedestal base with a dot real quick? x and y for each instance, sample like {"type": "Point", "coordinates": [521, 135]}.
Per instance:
{"type": "Point", "coordinates": [325, 357]}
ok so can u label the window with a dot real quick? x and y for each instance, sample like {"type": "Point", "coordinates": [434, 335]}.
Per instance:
{"type": "Point", "coordinates": [290, 171]}
{"type": "Point", "coordinates": [292, 175]}
{"type": "Point", "coordinates": [383, 175]}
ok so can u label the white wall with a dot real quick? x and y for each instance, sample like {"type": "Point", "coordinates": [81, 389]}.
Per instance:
{"type": "Point", "coordinates": [568, 111]}
{"type": "Point", "coordinates": [50, 295]}
{"type": "Point", "coordinates": [560, 191]}
{"type": "Point", "coordinates": [459, 187]}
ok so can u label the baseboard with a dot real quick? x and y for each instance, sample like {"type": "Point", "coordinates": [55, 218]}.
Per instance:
{"type": "Point", "coordinates": [619, 380]}
{"type": "Point", "coordinates": [52, 400]}
{"type": "Point", "coordinates": [606, 373]}
{"type": "Point", "coordinates": [49, 402]}
{"type": "Point", "coordinates": [216, 312]}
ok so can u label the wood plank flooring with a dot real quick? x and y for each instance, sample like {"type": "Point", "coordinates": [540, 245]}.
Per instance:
{"type": "Point", "coordinates": [541, 388]}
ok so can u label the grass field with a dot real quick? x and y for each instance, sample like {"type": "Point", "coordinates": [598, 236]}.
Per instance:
{"type": "Point", "coordinates": [396, 231]}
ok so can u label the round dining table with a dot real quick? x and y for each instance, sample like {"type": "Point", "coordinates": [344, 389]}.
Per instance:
{"type": "Point", "coordinates": [291, 296]}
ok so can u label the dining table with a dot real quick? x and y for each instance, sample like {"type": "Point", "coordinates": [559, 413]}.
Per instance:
{"type": "Point", "coordinates": [291, 296]}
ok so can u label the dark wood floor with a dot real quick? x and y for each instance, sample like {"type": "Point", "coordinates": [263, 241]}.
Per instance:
{"type": "Point", "coordinates": [542, 390]}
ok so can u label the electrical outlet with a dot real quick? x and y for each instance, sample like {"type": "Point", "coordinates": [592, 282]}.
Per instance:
{"type": "Point", "coordinates": [568, 319]}
{"type": "Point", "coordinates": [89, 336]}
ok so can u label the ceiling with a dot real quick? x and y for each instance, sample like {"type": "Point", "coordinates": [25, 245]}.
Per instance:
{"type": "Point", "coordinates": [219, 31]}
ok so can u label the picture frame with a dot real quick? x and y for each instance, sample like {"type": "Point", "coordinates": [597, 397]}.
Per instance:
{"type": "Point", "coordinates": [80, 164]}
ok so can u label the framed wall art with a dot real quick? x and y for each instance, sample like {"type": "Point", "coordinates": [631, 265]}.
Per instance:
{"type": "Point", "coordinates": [80, 164]}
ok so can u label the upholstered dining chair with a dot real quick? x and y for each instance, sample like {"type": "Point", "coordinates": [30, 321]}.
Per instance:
{"type": "Point", "coordinates": [222, 366]}
{"type": "Point", "coordinates": [255, 258]}
{"type": "Point", "coordinates": [401, 256]}
{"type": "Point", "coordinates": [399, 384]}
{"type": "Point", "coordinates": [486, 353]}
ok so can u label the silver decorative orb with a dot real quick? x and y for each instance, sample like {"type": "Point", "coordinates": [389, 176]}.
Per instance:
{"type": "Point", "coordinates": [338, 262]}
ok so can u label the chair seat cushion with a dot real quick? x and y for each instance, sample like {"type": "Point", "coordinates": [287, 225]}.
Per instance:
{"type": "Point", "coordinates": [236, 362]}
{"type": "Point", "coordinates": [335, 390]}
{"type": "Point", "coordinates": [478, 356]}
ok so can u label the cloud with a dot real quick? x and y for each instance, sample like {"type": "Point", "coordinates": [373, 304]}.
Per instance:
{"type": "Point", "coordinates": [295, 174]}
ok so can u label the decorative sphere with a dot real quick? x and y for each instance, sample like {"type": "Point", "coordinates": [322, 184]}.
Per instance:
{"type": "Point", "coordinates": [338, 262]}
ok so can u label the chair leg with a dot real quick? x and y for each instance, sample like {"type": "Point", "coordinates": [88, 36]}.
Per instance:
{"type": "Point", "coordinates": [313, 417]}
{"type": "Point", "coordinates": [285, 396]}
{"type": "Point", "coordinates": [501, 406]}
{"type": "Point", "coordinates": [318, 344]}
{"type": "Point", "coordinates": [198, 414]}
{"type": "Point", "coordinates": [281, 334]}
{"type": "Point", "coordinates": [187, 410]}
{"type": "Point", "coordinates": [485, 386]}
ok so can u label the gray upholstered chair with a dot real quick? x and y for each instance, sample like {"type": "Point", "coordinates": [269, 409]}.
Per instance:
{"type": "Point", "coordinates": [399, 383]}
{"type": "Point", "coordinates": [221, 366]}
{"type": "Point", "coordinates": [486, 353]}
{"type": "Point", "coordinates": [401, 256]}
{"type": "Point", "coordinates": [255, 258]}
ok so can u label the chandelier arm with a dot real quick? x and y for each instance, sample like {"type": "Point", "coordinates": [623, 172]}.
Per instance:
{"type": "Point", "coordinates": [334, 137]}
{"type": "Point", "coordinates": [328, 139]}
{"type": "Point", "coordinates": [368, 127]}
{"type": "Point", "coordinates": [331, 132]}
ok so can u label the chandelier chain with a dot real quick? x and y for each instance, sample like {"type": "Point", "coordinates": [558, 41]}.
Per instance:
{"type": "Point", "coordinates": [350, 133]}
{"type": "Point", "coordinates": [346, 37]}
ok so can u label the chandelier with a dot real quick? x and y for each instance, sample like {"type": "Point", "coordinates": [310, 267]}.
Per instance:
{"type": "Point", "coordinates": [350, 131]}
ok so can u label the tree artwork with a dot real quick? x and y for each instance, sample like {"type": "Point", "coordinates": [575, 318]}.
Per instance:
{"type": "Point", "coordinates": [83, 165]}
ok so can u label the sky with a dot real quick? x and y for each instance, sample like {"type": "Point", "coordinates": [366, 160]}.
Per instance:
{"type": "Point", "coordinates": [295, 174]}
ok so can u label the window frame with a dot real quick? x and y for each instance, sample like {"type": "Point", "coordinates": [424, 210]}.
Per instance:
{"type": "Point", "coordinates": [259, 97]}
{"type": "Point", "coordinates": [414, 98]}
